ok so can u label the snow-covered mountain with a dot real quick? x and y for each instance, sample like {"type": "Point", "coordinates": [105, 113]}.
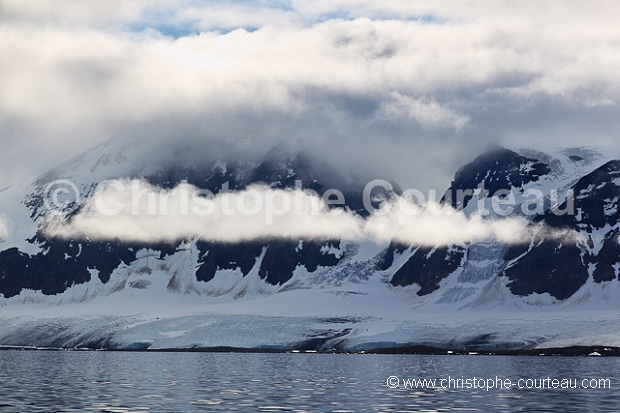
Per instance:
{"type": "Point", "coordinates": [319, 293]}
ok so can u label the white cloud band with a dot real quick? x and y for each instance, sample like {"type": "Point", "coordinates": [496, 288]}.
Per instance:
{"type": "Point", "coordinates": [137, 211]}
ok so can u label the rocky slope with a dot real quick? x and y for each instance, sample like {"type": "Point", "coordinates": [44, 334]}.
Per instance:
{"type": "Point", "coordinates": [328, 293]}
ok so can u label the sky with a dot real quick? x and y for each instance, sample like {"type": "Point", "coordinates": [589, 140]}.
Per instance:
{"type": "Point", "coordinates": [404, 90]}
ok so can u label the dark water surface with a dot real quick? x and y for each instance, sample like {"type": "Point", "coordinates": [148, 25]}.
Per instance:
{"type": "Point", "coordinates": [50, 381]}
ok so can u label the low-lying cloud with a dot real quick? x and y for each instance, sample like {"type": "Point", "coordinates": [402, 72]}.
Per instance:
{"type": "Point", "coordinates": [137, 211]}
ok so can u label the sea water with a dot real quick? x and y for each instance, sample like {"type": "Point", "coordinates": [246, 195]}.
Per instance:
{"type": "Point", "coordinates": [101, 381]}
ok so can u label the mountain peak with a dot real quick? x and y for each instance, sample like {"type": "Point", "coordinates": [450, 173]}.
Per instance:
{"type": "Point", "coordinates": [497, 169]}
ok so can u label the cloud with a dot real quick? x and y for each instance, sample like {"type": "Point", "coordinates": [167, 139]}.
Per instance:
{"type": "Point", "coordinates": [428, 112]}
{"type": "Point", "coordinates": [434, 224]}
{"type": "Point", "coordinates": [138, 211]}
{"type": "Point", "coordinates": [425, 85]}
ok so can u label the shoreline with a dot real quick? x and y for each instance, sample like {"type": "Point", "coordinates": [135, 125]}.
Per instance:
{"type": "Point", "coordinates": [573, 351]}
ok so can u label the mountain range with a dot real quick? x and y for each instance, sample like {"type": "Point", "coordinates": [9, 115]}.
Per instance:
{"type": "Point", "coordinates": [319, 294]}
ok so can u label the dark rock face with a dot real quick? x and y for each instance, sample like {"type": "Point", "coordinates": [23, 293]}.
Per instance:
{"type": "Point", "coordinates": [498, 169]}
{"type": "Point", "coordinates": [595, 200]}
{"type": "Point", "coordinates": [219, 256]}
{"type": "Point", "coordinates": [277, 266]}
{"type": "Point", "coordinates": [426, 267]}
{"type": "Point", "coordinates": [60, 265]}
{"type": "Point", "coordinates": [607, 259]}
{"type": "Point", "coordinates": [561, 268]}
{"type": "Point", "coordinates": [550, 267]}
{"type": "Point", "coordinates": [282, 257]}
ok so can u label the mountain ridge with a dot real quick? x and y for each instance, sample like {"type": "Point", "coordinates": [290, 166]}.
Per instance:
{"type": "Point", "coordinates": [261, 278]}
